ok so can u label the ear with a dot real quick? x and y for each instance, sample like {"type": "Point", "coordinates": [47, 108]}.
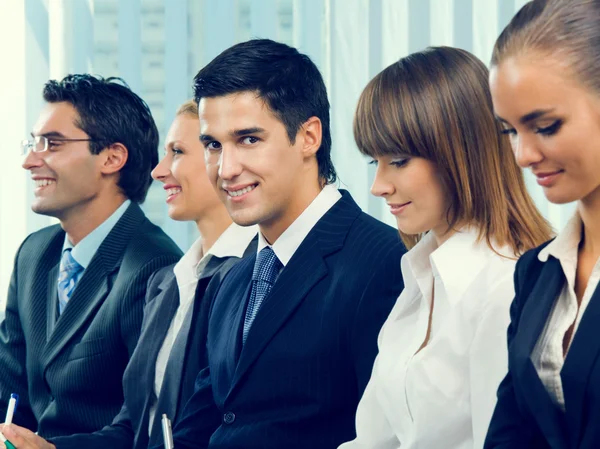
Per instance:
{"type": "Point", "coordinates": [311, 133]}
{"type": "Point", "coordinates": [114, 158]}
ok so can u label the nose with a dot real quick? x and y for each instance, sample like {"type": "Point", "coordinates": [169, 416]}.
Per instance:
{"type": "Point", "coordinates": [526, 151]}
{"type": "Point", "coordinates": [33, 160]}
{"type": "Point", "coordinates": [162, 170]}
{"type": "Point", "coordinates": [381, 185]}
{"type": "Point", "coordinates": [229, 164]}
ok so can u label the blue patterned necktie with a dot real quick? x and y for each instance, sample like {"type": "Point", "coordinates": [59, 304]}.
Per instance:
{"type": "Point", "coordinates": [67, 278]}
{"type": "Point", "coordinates": [266, 269]}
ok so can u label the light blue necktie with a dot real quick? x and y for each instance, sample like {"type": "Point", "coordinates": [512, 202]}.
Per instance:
{"type": "Point", "coordinates": [266, 269]}
{"type": "Point", "coordinates": [67, 278]}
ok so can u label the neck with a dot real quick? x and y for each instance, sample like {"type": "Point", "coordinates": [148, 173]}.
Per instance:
{"type": "Point", "coordinates": [443, 233]}
{"type": "Point", "coordinates": [212, 225]}
{"type": "Point", "coordinates": [79, 222]}
{"type": "Point", "coordinates": [273, 228]}
{"type": "Point", "coordinates": [589, 210]}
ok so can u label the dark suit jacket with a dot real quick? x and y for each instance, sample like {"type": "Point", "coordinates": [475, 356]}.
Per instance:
{"type": "Point", "coordinates": [525, 416]}
{"type": "Point", "coordinates": [130, 428]}
{"type": "Point", "coordinates": [298, 379]}
{"type": "Point", "coordinates": [68, 369]}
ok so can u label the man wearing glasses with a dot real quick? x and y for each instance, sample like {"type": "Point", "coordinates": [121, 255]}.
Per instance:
{"type": "Point", "coordinates": [76, 296]}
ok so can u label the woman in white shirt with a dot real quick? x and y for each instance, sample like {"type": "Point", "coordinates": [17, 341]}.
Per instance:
{"type": "Point", "coordinates": [460, 202]}
{"type": "Point", "coordinates": [545, 86]}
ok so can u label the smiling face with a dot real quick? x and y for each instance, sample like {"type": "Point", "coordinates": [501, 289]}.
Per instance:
{"type": "Point", "coordinates": [190, 194]}
{"type": "Point", "coordinates": [412, 188]}
{"type": "Point", "coordinates": [553, 122]}
{"type": "Point", "coordinates": [68, 176]}
{"type": "Point", "coordinates": [261, 177]}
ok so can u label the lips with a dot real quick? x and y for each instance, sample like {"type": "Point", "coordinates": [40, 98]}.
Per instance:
{"type": "Point", "coordinates": [397, 208]}
{"type": "Point", "coordinates": [547, 179]}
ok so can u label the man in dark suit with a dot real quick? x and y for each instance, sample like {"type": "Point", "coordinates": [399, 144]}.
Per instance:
{"type": "Point", "coordinates": [292, 331]}
{"type": "Point", "coordinates": [76, 297]}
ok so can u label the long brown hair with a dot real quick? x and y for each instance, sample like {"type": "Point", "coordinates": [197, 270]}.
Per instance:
{"type": "Point", "coordinates": [436, 104]}
{"type": "Point", "coordinates": [567, 31]}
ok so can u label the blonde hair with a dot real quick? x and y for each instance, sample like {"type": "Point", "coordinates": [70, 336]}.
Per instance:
{"type": "Point", "coordinates": [190, 107]}
{"type": "Point", "coordinates": [436, 104]}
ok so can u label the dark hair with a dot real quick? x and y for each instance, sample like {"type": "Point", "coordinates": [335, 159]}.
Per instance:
{"type": "Point", "coordinates": [565, 30]}
{"type": "Point", "coordinates": [287, 81]}
{"type": "Point", "coordinates": [110, 112]}
{"type": "Point", "coordinates": [436, 105]}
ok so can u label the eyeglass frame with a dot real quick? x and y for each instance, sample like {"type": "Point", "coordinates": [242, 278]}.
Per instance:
{"type": "Point", "coordinates": [28, 146]}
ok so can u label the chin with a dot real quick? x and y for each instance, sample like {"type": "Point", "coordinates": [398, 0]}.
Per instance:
{"type": "Point", "coordinates": [558, 197]}
{"type": "Point", "coordinates": [247, 217]}
{"type": "Point", "coordinates": [44, 209]}
{"type": "Point", "coordinates": [408, 228]}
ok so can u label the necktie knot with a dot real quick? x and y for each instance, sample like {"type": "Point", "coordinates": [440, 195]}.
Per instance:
{"type": "Point", "coordinates": [69, 267]}
{"type": "Point", "coordinates": [267, 266]}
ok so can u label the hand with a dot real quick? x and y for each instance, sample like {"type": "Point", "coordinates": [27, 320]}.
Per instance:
{"type": "Point", "coordinates": [23, 438]}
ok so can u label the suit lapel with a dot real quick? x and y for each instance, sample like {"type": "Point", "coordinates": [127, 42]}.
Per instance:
{"type": "Point", "coordinates": [87, 298]}
{"type": "Point", "coordinates": [52, 301]}
{"type": "Point", "coordinates": [94, 285]}
{"type": "Point", "coordinates": [159, 320]}
{"type": "Point", "coordinates": [159, 313]}
{"type": "Point", "coordinates": [304, 270]}
{"type": "Point", "coordinates": [581, 358]}
{"type": "Point", "coordinates": [536, 313]}
{"type": "Point", "coordinates": [51, 259]}
{"type": "Point", "coordinates": [175, 370]}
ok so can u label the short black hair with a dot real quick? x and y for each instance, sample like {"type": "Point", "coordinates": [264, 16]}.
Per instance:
{"type": "Point", "coordinates": [287, 81]}
{"type": "Point", "coordinates": [110, 112]}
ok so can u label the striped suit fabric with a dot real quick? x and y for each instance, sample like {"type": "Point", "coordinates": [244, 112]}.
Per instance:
{"type": "Point", "coordinates": [297, 380]}
{"type": "Point", "coordinates": [130, 428]}
{"type": "Point", "coordinates": [68, 368]}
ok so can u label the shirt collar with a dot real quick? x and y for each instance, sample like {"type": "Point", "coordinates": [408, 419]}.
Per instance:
{"type": "Point", "coordinates": [84, 251]}
{"type": "Point", "coordinates": [457, 261]}
{"type": "Point", "coordinates": [287, 244]}
{"type": "Point", "coordinates": [231, 243]}
{"type": "Point", "coordinates": [566, 244]}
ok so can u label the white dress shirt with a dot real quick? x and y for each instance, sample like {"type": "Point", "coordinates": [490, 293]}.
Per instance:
{"type": "Point", "coordinates": [547, 355]}
{"type": "Point", "coordinates": [289, 241]}
{"type": "Point", "coordinates": [232, 243]}
{"type": "Point", "coordinates": [442, 396]}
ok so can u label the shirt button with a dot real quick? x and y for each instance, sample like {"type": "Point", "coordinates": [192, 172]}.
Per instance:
{"type": "Point", "coordinates": [229, 418]}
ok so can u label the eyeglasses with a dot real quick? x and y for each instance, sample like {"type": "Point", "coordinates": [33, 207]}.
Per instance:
{"type": "Point", "coordinates": [42, 143]}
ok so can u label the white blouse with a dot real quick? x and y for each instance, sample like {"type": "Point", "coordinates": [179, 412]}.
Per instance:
{"type": "Point", "coordinates": [548, 356]}
{"type": "Point", "coordinates": [442, 396]}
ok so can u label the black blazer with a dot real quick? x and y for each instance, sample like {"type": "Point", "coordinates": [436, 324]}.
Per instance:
{"type": "Point", "coordinates": [130, 428]}
{"type": "Point", "coordinates": [525, 416]}
{"type": "Point", "coordinates": [68, 369]}
{"type": "Point", "coordinates": [298, 379]}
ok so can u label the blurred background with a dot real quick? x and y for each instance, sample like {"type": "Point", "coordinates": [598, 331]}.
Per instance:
{"type": "Point", "coordinates": [157, 46]}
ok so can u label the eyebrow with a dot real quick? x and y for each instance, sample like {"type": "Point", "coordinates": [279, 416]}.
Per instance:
{"type": "Point", "coordinates": [245, 132]}
{"type": "Point", "coordinates": [235, 133]}
{"type": "Point", "coordinates": [530, 117]}
{"type": "Point", "coordinates": [50, 135]}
